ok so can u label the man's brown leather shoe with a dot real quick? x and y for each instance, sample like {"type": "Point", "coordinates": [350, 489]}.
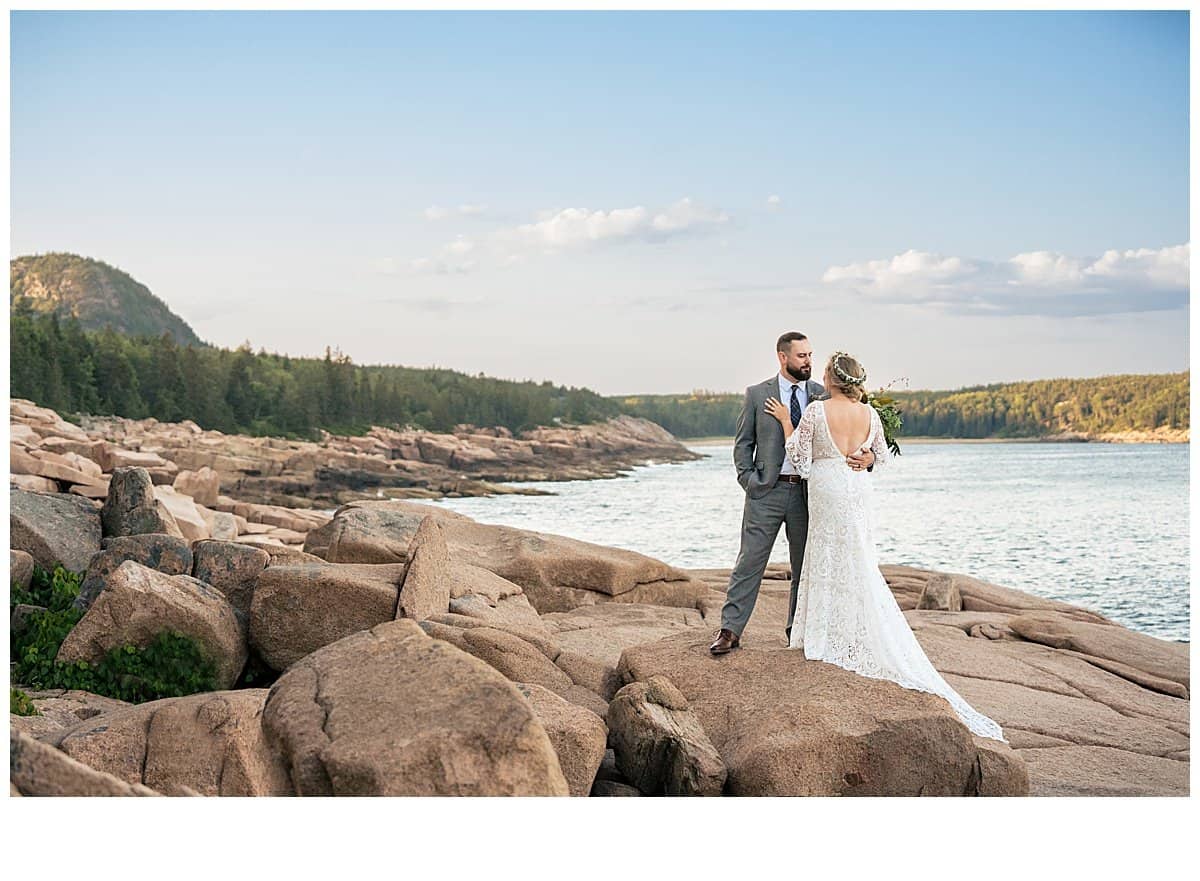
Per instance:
{"type": "Point", "coordinates": [727, 640]}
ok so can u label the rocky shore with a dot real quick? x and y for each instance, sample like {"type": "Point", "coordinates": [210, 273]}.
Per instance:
{"type": "Point", "coordinates": [385, 463]}
{"type": "Point", "coordinates": [404, 649]}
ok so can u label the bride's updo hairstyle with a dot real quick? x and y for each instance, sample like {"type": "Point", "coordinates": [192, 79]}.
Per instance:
{"type": "Point", "coordinates": [848, 376]}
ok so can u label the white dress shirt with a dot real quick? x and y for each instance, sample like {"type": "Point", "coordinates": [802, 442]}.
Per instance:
{"type": "Point", "coordinates": [785, 396]}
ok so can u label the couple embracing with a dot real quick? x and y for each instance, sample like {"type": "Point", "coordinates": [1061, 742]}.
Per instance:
{"type": "Point", "coordinates": [804, 452]}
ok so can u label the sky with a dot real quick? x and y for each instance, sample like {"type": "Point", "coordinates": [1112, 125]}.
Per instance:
{"type": "Point", "coordinates": [631, 202]}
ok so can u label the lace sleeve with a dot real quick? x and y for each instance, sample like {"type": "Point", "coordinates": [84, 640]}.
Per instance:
{"type": "Point", "coordinates": [879, 446]}
{"type": "Point", "coordinates": [799, 445]}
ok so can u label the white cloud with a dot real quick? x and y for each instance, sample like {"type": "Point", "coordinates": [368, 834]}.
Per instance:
{"type": "Point", "coordinates": [575, 227]}
{"type": "Point", "coordinates": [1031, 283]}
{"type": "Point", "coordinates": [686, 215]}
{"type": "Point", "coordinates": [774, 202]}
{"type": "Point", "coordinates": [565, 229]}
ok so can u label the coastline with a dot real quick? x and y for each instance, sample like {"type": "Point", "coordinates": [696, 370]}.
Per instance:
{"type": "Point", "coordinates": [1139, 438]}
{"type": "Point", "coordinates": [1088, 707]}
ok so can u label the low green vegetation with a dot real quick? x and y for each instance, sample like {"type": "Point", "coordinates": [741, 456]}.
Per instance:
{"type": "Point", "coordinates": [171, 666]}
{"type": "Point", "coordinates": [1015, 410]}
{"type": "Point", "coordinates": [19, 703]}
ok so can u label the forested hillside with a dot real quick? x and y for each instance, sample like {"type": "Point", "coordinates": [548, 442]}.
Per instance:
{"type": "Point", "coordinates": [1023, 409]}
{"type": "Point", "coordinates": [57, 364]}
{"type": "Point", "coordinates": [97, 294]}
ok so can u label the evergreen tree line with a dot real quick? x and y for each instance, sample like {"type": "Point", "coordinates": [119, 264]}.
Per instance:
{"type": "Point", "coordinates": [57, 364]}
{"type": "Point", "coordinates": [1050, 406]}
{"type": "Point", "coordinates": [1024, 409]}
{"type": "Point", "coordinates": [699, 414]}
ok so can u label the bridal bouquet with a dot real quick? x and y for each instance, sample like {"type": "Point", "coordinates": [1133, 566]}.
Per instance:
{"type": "Point", "coordinates": [889, 415]}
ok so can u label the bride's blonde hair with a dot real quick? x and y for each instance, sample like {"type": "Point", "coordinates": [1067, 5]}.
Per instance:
{"type": "Point", "coordinates": [847, 375]}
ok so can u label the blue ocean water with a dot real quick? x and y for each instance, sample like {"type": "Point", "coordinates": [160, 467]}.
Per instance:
{"type": "Point", "coordinates": [1100, 525]}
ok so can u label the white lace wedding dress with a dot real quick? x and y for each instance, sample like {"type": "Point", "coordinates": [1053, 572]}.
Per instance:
{"type": "Point", "coordinates": [845, 612]}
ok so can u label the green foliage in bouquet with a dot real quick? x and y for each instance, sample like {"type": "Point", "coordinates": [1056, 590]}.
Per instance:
{"type": "Point", "coordinates": [172, 665]}
{"type": "Point", "coordinates": [889, 416]}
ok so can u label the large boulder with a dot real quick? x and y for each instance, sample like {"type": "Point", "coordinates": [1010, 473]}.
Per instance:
{"type": "Point", "coordinates": [131, 507]}
{"type": "Point", "coordinates": [22, 434]}
{"type": "Point", "coordinates": [596, 676]}
{"type": "Point", "coordinates": [1103, 771]}
{"type": "Point", "coordinates": [114, 458]}
{"type": "Point", "coordinates": [362, 532]}
{"type": "Point", "coordinates": [22, 462]}
{"type": "Point", "coordinates": [601, 632]}
{"type": "Point", "coordinates": [232, 568]}
{"type": "Point", "coordinates": [66, 470]}
{"type": "Point", "coordinates": [784, 725]}
{"type": "Point", "coordinates": [166, 553]}
{"type": "Point", "coordinates": [908, 584]}
{"type": "Point", "coordinates": [468, 580]}
{"type": "Point", "coordinates": [426, 587]}
{"type": "Point", "coordinates": [940, 592]}
{"type": "Point", "coordinates": [187, 515]}
{"type": "Point", "coordinates": [204, 485]}
{"type": "Point", "coordinates": [578, 735]}
{"type": "Point", "coordinates": [659, 744]}
{"type": "Point", "coordinates": [512, 614]}
{"type": "Point", "coordinates": [1157, 657]}
{"type": "Point", "coordinates": [20, 566]}
{"type": "Point", "coordinates": [593, 637]}
{"type": "Point", "coordinates": [515, 658]}
{"type": "Point", "coordinates": [138, 603]}
{"type": "Point", "coordinates": [556, 573]}
{"type": "Point", "coordinates": [1073, 717]}
{"type": "Point", "coordinates": [32, 483]}
{"type": "Point", "coordinates": [297, 609]}
{"type": "Point", "coordinates": [92, 450]}
{"type": "Point", "coordinates": [547, 647]}
{"type": "Point", "coordinates": [211, 743]}
{"type": "Point", "coordinates": [54, 528]}
{"type": "Point", "coordinates": [1001, 770]}
{"type": "Point", "coordinates": [223, 526]}
{"type": "Point", "coordinates": [35, 768]}
{"type": "Point", "coordinates": [60, 709]}
{"type": "Point", "coordinates": [392, 712]}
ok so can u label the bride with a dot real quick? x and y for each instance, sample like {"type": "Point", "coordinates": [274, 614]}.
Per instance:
{"type": "Point", "coordinates": [845, 612]}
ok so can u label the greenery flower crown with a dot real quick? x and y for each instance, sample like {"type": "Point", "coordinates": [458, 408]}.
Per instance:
{"type": "Point", "coordinates": [842, 374]}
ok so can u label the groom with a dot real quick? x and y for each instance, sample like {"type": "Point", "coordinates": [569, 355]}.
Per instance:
{"type": "Point", "coordinates": [775, 493]}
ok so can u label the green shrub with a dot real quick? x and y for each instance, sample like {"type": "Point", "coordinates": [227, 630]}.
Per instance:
{"type": "Point", "coordinates": [172, 665]}
{"type": "Point", "coordinates": [35, 646]}
{"type": "Point", "coordinates": [19, 703]}
{"type": "Point", "coordinates": [55, 590]}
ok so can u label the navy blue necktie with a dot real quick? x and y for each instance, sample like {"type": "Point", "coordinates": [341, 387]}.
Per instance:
{"type": "Point", "coordinates": [795, 407]}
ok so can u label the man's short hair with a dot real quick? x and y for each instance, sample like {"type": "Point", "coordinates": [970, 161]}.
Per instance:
{"type": "Point", "coordinates": [785, 342]}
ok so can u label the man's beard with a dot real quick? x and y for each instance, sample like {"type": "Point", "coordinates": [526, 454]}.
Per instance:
{"type": "Point", "coordinates": [799, 373]}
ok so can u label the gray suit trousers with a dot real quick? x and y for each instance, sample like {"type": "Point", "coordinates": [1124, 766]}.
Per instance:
{"type": "Point", "coordinates": [784, 503]}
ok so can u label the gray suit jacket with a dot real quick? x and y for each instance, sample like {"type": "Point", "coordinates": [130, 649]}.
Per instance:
{"type": "Point", "coordinates": [758, 443]}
